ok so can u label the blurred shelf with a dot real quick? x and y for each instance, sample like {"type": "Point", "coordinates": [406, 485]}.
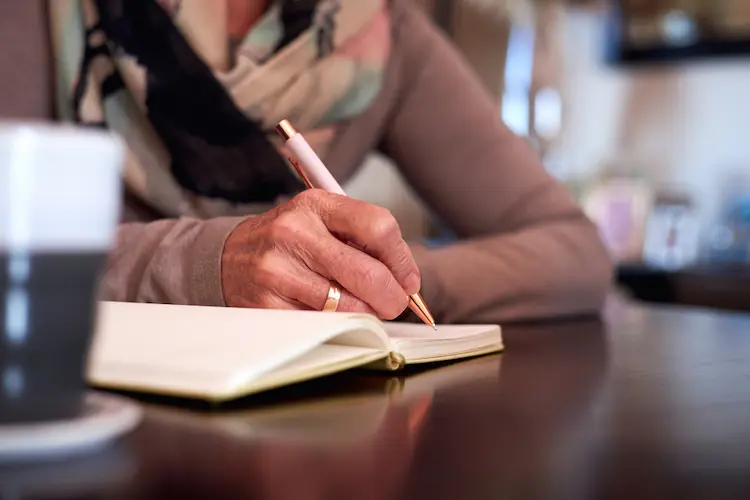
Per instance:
{"type": "Point", "coordinates": [618, 54]}
{"type": "Point", "coordinates": [725, 287]}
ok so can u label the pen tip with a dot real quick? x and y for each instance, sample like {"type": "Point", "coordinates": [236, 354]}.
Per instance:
{"type": "Point", "coordinates": [434, 326]}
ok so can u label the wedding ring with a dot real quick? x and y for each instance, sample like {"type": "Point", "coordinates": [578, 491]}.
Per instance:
{"type": "Point", "coordinates": [334, 296]}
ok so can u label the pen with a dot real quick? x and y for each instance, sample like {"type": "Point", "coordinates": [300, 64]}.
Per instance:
{"type": "Point", "coordinates": [314, 173]}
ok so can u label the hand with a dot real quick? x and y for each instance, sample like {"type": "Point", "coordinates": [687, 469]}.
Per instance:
{"type": "Point", "coordinates": [285, 258]}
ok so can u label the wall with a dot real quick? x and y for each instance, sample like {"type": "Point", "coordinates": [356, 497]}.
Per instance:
{"type": "Point", "coordinates": [687, 126]}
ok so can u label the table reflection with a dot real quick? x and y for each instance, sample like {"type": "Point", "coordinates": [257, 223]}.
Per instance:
{"type": "Point", "coordinates": [501, 439]}
{"type": "Point", "coordinates": [184, 457]}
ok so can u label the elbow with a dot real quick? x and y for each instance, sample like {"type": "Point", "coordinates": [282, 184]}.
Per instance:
{"type": "Point", "coordinates": [595, 268]}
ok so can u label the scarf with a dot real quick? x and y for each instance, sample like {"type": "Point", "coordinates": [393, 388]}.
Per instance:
{"type": "Point", "coordinates": [197, 111]}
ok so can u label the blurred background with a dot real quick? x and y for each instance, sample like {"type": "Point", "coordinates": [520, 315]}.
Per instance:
{"type": "Point", "coordinates": [641, 108]}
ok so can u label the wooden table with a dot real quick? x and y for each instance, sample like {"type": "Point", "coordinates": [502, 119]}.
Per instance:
{"type": "Point", "coordinates": [650, 403]}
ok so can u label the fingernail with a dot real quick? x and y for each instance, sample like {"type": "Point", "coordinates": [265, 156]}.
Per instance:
{"type": "Point", "coordinates": [413, 284]}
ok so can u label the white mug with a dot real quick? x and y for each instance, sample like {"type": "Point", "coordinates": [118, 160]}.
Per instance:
{"type": "Point", "coordinates": [59, 209]}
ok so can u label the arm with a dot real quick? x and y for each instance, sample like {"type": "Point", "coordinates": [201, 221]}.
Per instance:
{"type": "Point", "coordinates": [526, 250]}
{"type": "Point", "coordinates": [175, 261]}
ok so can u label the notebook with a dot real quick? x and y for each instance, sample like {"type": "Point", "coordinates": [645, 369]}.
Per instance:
{"type": "Point", "coordinates": [219, 354]}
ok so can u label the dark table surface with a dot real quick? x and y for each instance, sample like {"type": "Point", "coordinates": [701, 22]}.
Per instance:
{"type": "Point", "coordinates": [718, 286]}
{"type": "Point", "coordinates": [646, 403]}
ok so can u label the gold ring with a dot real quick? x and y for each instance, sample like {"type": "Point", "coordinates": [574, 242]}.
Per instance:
{"type": "Point", "coordinates": [334, 296]}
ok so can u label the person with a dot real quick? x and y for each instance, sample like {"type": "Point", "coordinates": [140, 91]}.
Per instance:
{"type": "Point", "coordinates": [213, 214]}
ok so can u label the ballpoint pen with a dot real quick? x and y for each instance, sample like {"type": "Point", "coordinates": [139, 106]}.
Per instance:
{"type": "Point", "coordinates": [315, 174]}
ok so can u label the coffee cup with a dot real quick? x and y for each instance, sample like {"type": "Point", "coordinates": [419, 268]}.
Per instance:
{"type": "Point", "coordinates": [59, 207]}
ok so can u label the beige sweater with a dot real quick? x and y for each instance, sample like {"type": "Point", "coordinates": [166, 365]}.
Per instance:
{"type": "Point", "coordinates": [526, 250]}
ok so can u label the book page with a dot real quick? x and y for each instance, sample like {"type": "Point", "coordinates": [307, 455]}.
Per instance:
{"type": "Point", "coordinates": [425, 332]}
{"type": "Point", "coordinates": [200, 351]}
{"type": "Point", "coordinates": [421, 344]}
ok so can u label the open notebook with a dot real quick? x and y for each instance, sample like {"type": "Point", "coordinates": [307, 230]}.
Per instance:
{"type": "Point", "coordinates": [219, 353]}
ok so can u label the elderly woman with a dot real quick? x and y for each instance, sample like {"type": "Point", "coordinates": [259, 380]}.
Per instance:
{"type": "Point", "coordinates": [214, 215]}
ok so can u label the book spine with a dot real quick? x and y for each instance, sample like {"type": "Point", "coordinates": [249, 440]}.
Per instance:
{"type": "Point", "coordinates": [395, 361]}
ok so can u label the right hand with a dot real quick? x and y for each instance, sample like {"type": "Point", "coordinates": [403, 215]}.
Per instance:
{"type": "Point", "coordinates": [286, 257]}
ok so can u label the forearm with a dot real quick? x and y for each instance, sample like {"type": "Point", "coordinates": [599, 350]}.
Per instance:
{"type": "Point", "coordinates": [169, 261]}
{"type": "Point", "coordinates": [548, 270]}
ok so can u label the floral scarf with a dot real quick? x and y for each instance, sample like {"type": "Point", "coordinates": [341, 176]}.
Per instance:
{"type": "Point", "coordinates": [197, 111]}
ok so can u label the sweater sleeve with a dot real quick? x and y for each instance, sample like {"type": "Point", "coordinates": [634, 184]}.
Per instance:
{"type": "Point", "coordinates": [174, 261]}
{"type": "Point", "coordinates": [526, 250]}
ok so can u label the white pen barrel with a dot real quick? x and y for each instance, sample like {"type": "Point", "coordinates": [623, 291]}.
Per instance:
{"type": "Point", "coordinates": [313, 166]}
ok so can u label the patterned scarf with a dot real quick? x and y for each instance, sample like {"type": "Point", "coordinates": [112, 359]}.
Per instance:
{"type": "Point", "coordinates": [198, 112]}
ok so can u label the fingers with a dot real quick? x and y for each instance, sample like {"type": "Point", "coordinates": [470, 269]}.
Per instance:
{"type": "Point", "coordinates": [372, 229]}
{"type": "Point", "coordinates": [268, 300]}
{"type": "Point", "coordinates": [317, 295]}
{"type": "Point", "coordinates": [311, 289]}
{"type": "Point", "coordinates": [368, 279]}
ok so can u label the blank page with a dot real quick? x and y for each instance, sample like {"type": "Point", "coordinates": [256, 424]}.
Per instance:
{"type": "Point", "coordinates": [200, 351]}
{"type": "Point", "coordinates": [420, 343]}
{"type": "Point", "coordinates": [413, 331]}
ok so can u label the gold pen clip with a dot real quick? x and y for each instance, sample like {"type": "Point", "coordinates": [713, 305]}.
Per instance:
{"type": "Point", "coordinates": [301, 173]}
